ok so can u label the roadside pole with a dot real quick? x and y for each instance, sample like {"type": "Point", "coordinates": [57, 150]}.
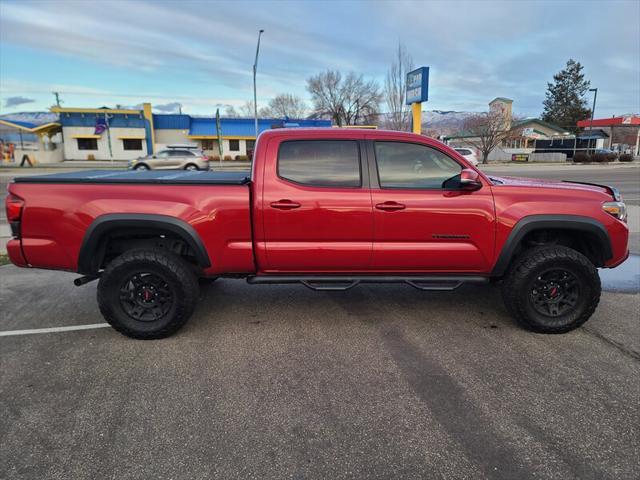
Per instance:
{"type": "Point", "coordinates": [416, 109]}
{"type": "Point", "coordinates": [219, 133]}
{"type": "Point", "coordinates": [106, 121]}
{"type": "Point", "coordinates": [593, 111]}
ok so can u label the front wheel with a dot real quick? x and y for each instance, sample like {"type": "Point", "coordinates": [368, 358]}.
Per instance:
{"type": "Point", "coordinates": [142, 166]}
{"type": "Point", "coordinates": [147, 293]}
{"type": "Point", "coordinates": [551, 289]}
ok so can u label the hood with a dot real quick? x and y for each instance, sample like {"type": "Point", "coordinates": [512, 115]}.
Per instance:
{"type": "Point", "coordinates": [545, 183]}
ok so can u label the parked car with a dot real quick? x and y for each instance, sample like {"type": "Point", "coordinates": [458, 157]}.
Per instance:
{"type": "Point", "coordinates": [329, 209]}
{"type": "Point", "coordinates": [173, 158]}
{"type": "Point", "coordinates": [468, 155]}
{"type": "Point", "coordinates": [605, 151]}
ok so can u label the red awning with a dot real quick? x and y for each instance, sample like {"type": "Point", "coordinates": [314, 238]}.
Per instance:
{"type": "Point", "coordinates": [610, 122]}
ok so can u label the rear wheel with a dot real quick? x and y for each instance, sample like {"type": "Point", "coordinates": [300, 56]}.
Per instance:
{"type": "Point", "coordinates": [147, 293]}
{"type": "Point", "coordinates": [551, 289]}
{"type": "Point", "coordinates": [191, 167]}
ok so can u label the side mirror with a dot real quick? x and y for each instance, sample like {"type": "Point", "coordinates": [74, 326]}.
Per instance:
{"type": "Point", "coordinates": [470, 180]}
{"type": "Point", "coordinates": [153, 156]}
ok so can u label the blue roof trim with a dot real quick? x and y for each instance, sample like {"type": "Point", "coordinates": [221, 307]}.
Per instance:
{"type": "Point", "coordinates": [117, 120]}
{"type": "Point", "coordinates": [21, 123]}
{"type": "Point", "coordinates": [245, 127]}
{"type": "Point", "coordinates": [171, 122]}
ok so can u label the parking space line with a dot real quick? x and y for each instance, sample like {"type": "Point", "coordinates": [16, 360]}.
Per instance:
{"type": "Point", "coordinates": [53, 329]}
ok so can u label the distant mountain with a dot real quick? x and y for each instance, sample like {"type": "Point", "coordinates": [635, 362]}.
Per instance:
{"type": "Point", "coordinates": [444, 121]}
{"type": "Point", "coordinates": [39, 118]}
{"type": "Point", "coordinates": [440, 122]}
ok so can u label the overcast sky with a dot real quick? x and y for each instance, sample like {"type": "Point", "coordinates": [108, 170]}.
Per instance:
{"type": "Point", "coordinates": [200, 53]}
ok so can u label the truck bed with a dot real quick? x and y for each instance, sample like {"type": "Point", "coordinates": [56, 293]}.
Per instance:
{"type": "Point", "coordinates": [154, 177]}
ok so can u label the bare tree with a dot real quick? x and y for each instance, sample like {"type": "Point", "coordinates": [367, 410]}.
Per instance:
{"type": "Point", "coordinates": [286, 105]}
{"type": "Point", "coordinates": [230, 111]}
{"type": "Point", "coordinates": [395, 87]}
{"type": "Point", "coordinates": [347, 101]}
{"type": "Point", "coordinates": [486, 131]}
{"type": "Point", "coordinates": [246, 110]}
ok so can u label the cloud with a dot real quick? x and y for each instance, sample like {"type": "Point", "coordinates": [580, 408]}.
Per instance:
{"type": "Point", "coordinates": [15, 101]}
{"type": "Point", "coordinates": [171, 107]}
{"type": "Point", "coordinates": [185, 52]}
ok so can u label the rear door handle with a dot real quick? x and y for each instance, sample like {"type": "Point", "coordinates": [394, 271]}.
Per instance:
{"type": "Point", "coordinates": [285, 205]}
{"type": "Point", "coordinates": [390, 206]}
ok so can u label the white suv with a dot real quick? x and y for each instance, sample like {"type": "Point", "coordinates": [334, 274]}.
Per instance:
{"type": "Point", "coordinates": [468, 155]}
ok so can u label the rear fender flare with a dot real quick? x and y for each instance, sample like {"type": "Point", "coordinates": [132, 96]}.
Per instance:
{"type": "Point", "coordinates": [89, 258]}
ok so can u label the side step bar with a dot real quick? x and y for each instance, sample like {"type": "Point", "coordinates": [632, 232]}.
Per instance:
{"type": "Point", "coordinates": [338, 282]}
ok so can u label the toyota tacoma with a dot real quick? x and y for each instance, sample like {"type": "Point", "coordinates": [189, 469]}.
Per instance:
{"type": "Point", "coordinates": [327, 208]}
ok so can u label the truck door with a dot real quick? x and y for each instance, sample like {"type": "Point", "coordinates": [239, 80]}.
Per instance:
{"type": "Point", "coordinates": [317, 211]}
{"type": "Point", "coordinates": [423, 221]}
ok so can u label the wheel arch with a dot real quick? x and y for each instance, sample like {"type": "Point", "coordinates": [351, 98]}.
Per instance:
{"type": "Point", "coordinates": [92, 249]}
{"type": "Point", "coordinates": [569, 224]}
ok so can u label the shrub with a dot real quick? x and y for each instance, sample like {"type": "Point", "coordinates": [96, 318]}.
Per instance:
{"type": "Point", "coordinates": [215, 158]}
{"type": "Point", "coordinates": [600, 157]}
{"type": "Point", "coordinates": [611, 157]}
{"type": "Point", "coordinates": [227, 158]}
{"type": "Point", "coordinates": [626, 157]}
{"type": "Point", "coordinates": [581, 157]}
{"type": "Point", "coordinates": [242, 158]}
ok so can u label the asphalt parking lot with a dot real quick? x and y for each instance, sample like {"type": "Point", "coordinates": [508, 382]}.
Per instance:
{"type": "Point", "coordinates": [283, 382]}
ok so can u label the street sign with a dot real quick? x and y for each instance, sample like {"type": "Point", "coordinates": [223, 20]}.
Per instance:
{"type": "Point", "coordinates": [417, 85]}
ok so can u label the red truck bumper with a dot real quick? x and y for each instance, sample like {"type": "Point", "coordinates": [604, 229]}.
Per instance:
{"type": "Point", "coordinates": [619, 235]}
{"type": "Point", "coordinates": [15, 253]}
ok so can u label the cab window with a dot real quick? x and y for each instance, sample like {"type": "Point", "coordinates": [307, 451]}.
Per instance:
{"type": "Point", "coordinates": [414, 166]}
{"type": "Point", "coordinates": [320, 163]}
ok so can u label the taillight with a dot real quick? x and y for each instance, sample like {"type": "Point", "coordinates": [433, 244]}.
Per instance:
{"type": "Point", "coordinates": [14, 207]}
{"type": "Point", "coordinates": [206, 159]}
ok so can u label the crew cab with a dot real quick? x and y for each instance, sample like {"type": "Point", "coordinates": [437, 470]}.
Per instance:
{"type": "Point", "coordinates": [327, 208]}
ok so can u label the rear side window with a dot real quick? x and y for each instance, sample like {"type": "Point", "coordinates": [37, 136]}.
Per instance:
{"type": "Point", "coordinates": [180, 153]}
{"type": "Point", "coordinates": [320, 163]}
{"type": "Point", "coordinates": [410, 165]}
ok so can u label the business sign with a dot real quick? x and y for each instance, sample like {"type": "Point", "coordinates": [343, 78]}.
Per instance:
{"type": "Point", "coordinates": [520, 157]}
{"type": "Point", "coordinates": [418, 85]}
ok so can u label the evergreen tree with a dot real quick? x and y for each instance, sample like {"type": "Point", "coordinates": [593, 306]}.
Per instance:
{"type": "Point", "coordinates": [565, 104]}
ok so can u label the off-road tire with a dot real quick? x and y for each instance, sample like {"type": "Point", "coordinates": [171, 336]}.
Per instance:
{"type": "Point", "coordinates": [518, 285]}
{"type": "Point", "coordinates": [176, 273]}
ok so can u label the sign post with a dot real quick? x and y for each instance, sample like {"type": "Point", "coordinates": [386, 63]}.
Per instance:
{"type": "Point", "coordinates": [417, 92]}
{"type": "Point", "coordinates": [219, 133]}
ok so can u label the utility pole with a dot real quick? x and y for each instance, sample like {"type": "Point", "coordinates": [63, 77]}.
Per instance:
{"type": "Point", "coordinates": [255, 95]}
{"type": "Point", "coordinates": [593, 111]}
{"type": "Point", "coordinates": [57, 95]}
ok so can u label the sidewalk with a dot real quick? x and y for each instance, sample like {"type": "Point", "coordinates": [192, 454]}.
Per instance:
{"type": "Point", "coordinates": [557, 165]}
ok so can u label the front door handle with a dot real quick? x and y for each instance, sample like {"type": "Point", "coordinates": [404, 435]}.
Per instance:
{"type": "Point", "coordinates": [285, 205]}
{"type": "Point", "coordinates": [390, 206]}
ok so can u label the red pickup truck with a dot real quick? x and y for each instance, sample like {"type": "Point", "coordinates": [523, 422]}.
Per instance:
{"type": "Point", "coordinates": [328, 208]}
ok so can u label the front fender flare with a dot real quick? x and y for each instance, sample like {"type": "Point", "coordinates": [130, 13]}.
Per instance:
{"type": "Point", "coordinates": [544, 222]}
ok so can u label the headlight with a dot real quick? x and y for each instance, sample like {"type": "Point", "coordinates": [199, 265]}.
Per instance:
{"type": "Point", "coordinates": [617, 209]}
